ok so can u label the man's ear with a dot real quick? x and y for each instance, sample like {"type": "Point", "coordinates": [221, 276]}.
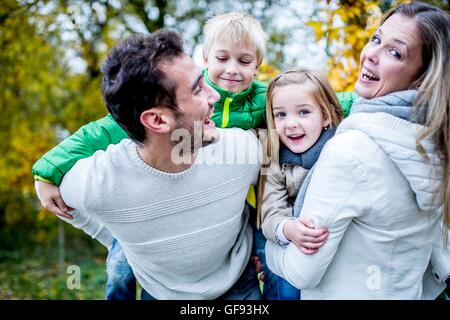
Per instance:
{"type": "Point", "coordinates": [157, 120]}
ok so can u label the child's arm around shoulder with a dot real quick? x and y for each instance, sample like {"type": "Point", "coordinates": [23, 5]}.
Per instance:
{"type": "Point", "coordinates": [94, 136]}
{"type": "Point", "coordinates": [50, 169]}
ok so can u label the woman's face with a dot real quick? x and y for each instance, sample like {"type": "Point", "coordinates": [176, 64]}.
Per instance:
{"type": "Point", "coordinates": [391, 60]}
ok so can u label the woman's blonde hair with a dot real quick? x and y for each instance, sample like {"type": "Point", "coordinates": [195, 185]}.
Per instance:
{"type": "Point", "coordinates": [320, 89]}
{"type": "Point", "coordinates": [432, 105]}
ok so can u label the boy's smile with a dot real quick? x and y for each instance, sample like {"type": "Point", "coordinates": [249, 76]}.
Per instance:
{"type": "Point", "coordinates": [231, 67]}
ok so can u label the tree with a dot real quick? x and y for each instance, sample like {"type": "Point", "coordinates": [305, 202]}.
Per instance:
{"type": "Point", "coordinates": [346, 26]}
{"type": "Point", "coordinates": [31, 88]}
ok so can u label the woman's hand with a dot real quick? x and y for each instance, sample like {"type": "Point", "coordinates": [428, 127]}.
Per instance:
{"type": "Point", "coordinates": [302, 233]}
{"type": "Point", "coordinates": [51, 200]}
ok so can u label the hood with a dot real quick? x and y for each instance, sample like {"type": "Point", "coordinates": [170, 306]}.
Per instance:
{"type": "Point", "coordinates": [384, 119]}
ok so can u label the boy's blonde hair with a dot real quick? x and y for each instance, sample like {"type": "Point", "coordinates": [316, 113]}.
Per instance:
{"type": "Point", "coordinates": [319, 87]}
{"type": "Point", "coordinates": [235, 28]}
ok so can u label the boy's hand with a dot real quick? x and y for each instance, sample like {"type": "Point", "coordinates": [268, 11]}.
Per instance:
{"type": "Point", "coordinates": [51, 200]}
{"type": "Point", "coordinates": [302, 233]}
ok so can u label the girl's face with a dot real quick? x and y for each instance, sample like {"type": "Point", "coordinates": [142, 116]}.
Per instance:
{"type": "Point", "coordinates": [391, 60]}
{"type": "Point", "coordinates": [297, 117]}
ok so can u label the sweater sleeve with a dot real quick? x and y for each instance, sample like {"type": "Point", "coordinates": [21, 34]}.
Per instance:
{"type": "Point", "coordinates": [72, 192]}
{"type": "Point", "coordinates": [275, 207]}
{"type": "Point", "coordinates": [96, 135]}
{"type": "Point", "coordinates": [328, 204]}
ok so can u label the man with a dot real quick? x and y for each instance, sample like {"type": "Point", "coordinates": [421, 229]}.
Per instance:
{"type": "Point", "coordinates": [176, 207]}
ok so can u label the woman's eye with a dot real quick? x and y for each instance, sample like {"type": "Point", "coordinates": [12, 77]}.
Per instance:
{"type": "Point", "coordinates": [221, 58]}
{"type": "Point", "coordinates": [245, 62]}
{"type": "Point", "coordinates": [395, 53]}
{"type": "Point", "coordinates": [375, 39]}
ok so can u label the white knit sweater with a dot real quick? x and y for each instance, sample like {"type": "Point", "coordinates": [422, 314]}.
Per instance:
{"type": "Point", "coordinates": [184, 234]}
{"type": "Point", "coordinates": [376, 195]}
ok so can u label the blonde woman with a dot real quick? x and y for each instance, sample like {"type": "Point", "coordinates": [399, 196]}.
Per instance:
{"type": "Point", "coordinates": [381, 185]}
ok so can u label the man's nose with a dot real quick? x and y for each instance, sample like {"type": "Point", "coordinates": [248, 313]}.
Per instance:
{"type": "Point", "coordinates": [213, 95]}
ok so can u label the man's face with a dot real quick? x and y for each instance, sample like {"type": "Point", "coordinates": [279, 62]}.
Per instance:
{"type": "Point", "coordinates": [195, 99]}
{"type": "Point", "coordinates": [231, 67]}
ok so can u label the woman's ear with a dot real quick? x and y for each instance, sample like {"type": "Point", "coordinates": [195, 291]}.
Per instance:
{"type": "Point", "coordinates": [415, 85]}
{"type": "Point", "coordinates": [157, 120]}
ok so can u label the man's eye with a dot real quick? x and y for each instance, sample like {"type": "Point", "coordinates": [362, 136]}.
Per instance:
{"type": "Point", "coordinates": [198, 89]}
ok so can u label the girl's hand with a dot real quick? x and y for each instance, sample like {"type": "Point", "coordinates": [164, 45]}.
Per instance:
{"type": "Point", "coordinates": [302, 233]}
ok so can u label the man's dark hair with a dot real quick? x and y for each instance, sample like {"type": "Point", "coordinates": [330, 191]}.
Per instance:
{"type": "Point", "coordinates": [132, 79]}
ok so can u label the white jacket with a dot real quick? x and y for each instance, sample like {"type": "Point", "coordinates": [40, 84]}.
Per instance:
{"type": "Point", "coordinates": [377, 197]}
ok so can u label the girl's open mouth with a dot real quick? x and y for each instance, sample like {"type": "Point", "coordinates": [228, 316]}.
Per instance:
{"type": "Point", "coordinates": [296, 138]}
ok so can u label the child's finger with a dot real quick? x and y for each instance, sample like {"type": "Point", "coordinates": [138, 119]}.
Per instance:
{"type": "Point", "coordinates": [315, 233]}
{"type": "Point", "coordinates": [308, 251]}
{"type": "Point", "coordinates": [304, 239]}
{"type": "Point", "coordinates": [320, 239]}
{"type": "Point", "coordinates": [307, 222]}
{"type": "Point", "coordinates": [61, 204]}
{"type": "Point", "coordinates": [53, 208]}
{"type": "Point", "coordinates": [311, 245]}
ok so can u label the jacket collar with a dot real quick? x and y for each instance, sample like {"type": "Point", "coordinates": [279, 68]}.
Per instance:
{"type": "Point", "coordinates": [227, 94]}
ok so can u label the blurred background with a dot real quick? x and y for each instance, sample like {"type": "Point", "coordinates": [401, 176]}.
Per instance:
{"type": "Point", "coordinates": [50, 58]}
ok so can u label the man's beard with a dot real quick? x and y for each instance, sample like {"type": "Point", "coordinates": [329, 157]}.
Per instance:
{"type": "Point", "coordinates": [193, 133]}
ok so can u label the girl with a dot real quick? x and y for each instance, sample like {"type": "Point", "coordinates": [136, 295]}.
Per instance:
{"type": "Point", "coordinates": [302, 113]}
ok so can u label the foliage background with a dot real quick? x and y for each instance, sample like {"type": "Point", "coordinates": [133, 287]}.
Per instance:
{"type": "Point", "coordinates": [50, 57]}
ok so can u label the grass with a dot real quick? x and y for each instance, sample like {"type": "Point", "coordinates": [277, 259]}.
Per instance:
{"type": "Point", "coordinates": [34, 272]}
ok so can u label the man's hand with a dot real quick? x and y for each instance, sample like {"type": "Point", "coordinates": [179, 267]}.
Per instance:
{"type": "Point", "coordinates": [51, 200]}
{"type": "Point", "coordinates": [302, 233]}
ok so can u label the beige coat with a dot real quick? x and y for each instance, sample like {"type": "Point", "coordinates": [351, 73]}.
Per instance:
{"type": "Point", "coordinates": [280, 190]}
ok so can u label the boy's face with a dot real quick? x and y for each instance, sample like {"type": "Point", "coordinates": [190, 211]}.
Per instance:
{"type": "Point", "coordinates": [231, 67]}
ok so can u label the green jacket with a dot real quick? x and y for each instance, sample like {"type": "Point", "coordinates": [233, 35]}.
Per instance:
{"type": "Point", "coordinates": [94, 136]}
{"type": "Point", "coordinates": [98, 135]}
{"type": "Point", "coordinates": [245, 110]}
